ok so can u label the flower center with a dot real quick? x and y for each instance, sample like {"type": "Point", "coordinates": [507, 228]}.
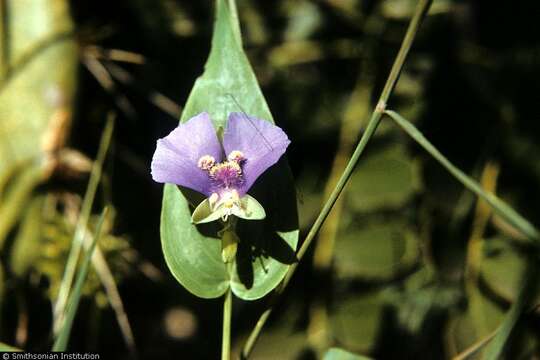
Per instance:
{"type": "Point", "coordinates": [225, 175]}
{"type": "Point", "coordinates": [229, 200]}
{"type": "Point", "coordinates": [226, 178]}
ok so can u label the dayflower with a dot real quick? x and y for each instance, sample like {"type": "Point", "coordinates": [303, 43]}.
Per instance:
{"type": "Point", "coordinates": [192, 156]}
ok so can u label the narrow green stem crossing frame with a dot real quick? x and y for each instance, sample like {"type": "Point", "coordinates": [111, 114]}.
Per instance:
{"type": "Point", "coordinates": [419, 14]}
{"type": "Point", "coordinates": [227, 315]}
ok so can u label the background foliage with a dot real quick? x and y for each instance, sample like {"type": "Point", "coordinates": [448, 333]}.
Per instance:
{"type": "Point", "coordinates": [407, 265]}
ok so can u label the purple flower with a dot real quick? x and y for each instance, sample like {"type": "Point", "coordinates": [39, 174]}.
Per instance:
{"type": "Point", "coordinates": [192, 156]}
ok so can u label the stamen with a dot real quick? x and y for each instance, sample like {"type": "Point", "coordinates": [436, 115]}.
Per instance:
{"type": "Point", "coordinates": [227, 168]}
{"type": "Point", "coordinates": [206, 162]}
{"type": "Point", "coordinates": [236, 156]}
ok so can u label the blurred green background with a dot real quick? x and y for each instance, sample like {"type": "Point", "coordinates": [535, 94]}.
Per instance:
{"type": "Point", "coordinates": [408, 265]}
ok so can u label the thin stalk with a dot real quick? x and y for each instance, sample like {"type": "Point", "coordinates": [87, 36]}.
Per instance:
{"type": "Point", "coordinates": [358, 107]}
{"type": "Point", "coordinates": [80, 230]}
{"type": "Point", "coordinates": [61, 341]}
{"type": "Point", "coordinates": [226, 338]}
{"type": "Point", "coordinates": [420, 12]}
{"type": "Point", "coordinates": [474, 348]}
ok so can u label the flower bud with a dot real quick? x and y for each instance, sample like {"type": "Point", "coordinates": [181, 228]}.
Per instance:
{"type": "Point", "coordinates": [229, 244]}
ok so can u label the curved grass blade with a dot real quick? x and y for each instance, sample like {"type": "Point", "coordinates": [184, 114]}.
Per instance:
{"type": "Point", "coordinates": [529, 287]}
{"type": "Point", "coordinates": [477, 346]}
{"type": "Point", "coordinates": [78, 237]}
{"type": "Point", "coordinates": [106, 278]}
{"type": "Point", "coordinates": [193, 253]}
{"type": "Point", "coordinates": [420, 12]}
{"type": "Point", "coordinates": [502, 209]}
{"type": "Point", "coordinates": [62, 338]}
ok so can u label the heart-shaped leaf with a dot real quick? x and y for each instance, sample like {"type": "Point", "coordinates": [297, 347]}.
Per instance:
{"type": "Point", "coordinates": [266, 248]}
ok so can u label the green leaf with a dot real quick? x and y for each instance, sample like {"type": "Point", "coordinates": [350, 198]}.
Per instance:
{"type": "Point", "coordinates": [375, 250]}
{"type": "Point", "coordinates": [340, 354]}
{"type": "Point", "coordinates": [193, 253]}
{"type": "Point", "coordinates": [13, 205]}
{"type": "Point", "coordinates": [371, 188]}
{"type": "Point", "coordinates": [26, 247]}
{"type": "Point", "coordinates": [485, 324]}
{"type": "Point", "coordinates": [502, 269]}
{"type": "Point", "coordinates": [292, 342]}
{"type": "Point", "coordinates": [496, 347]}
{"type": "Point", "coordinates": [62, 338]}
{"type": "Point", "coordinates": [32, 85]}
{"type": "Point", "coordinates": [193, 258]}
{"type": "Point", "coordinates": [357, 320]}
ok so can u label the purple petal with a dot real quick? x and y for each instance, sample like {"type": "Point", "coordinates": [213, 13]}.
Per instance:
{"type": "Point", "coordinates": [177, 154]}
{"type": "Point", "coordinates": [261, 142]}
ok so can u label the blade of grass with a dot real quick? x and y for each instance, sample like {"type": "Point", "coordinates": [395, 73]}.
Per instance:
{"type": "Point", "coordinates": [80, 230]}
{"type": "Point", "coordinates": [357, 108]}
{"type": "Point", "coordinates": [526, 294]}
{"type": "Point", "coordinates": [113, 295]}
{"type": "Point", "coordinates": [499, 206]}
{"type": "Point", "coordinates": [419, 14]}
{"type": "Point", "coordinates": [474, 348]}
{"type": "Point", "coordinates": [106, 81]}
{"type": "Point", "coordinates": [63, 335]}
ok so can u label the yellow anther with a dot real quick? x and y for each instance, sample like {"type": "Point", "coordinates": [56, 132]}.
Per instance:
{"type": "Point", "coordinates": [236, 156]}
{"type": "Point", "coordinates": [231, 165]}
{"type": "Point", "coordinates": [206, 162]}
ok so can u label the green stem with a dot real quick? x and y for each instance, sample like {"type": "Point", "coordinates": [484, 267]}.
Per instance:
{"type": "Point", "coordinates": [61, 341]}
{"type": "Point", "coordinates": [226, 339]}
{"type": "Point", "coordinates": [80, 230]}
{"type": "Point", "coordinates": [420, 12]}
{"type": "Point", "coordinates": [473, 349]}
